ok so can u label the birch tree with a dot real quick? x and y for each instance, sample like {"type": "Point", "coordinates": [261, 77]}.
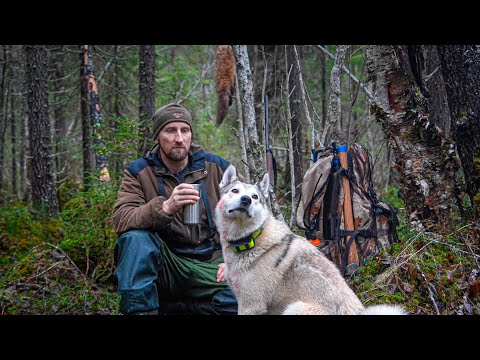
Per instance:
{"type": "Point", "coordinates": [332, 130]}
{"type": "Point", "coordinates": [254, 152]}
{"type": "Point", "coordinates": [425, 158]}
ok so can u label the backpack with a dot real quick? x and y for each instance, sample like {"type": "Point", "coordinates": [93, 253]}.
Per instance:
{"type": "Point", "coordinates": [320, 209]}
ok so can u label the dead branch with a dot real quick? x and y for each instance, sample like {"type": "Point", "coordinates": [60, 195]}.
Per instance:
{"type": "Point", "coordinates": [345, 69]}
{"type": "Point", "coordinates": [71, 261]}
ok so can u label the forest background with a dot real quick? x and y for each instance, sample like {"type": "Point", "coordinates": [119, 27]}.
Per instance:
{"type": "Point", "coordinates": [73, 117]}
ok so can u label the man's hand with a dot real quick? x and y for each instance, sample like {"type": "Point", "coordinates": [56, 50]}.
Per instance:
{"type": "Point", "coordinates": [182, 195]}
{"type": "Point", "coordinates": [221, 273]}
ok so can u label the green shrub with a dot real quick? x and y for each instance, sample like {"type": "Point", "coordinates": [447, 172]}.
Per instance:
{"type": "Point", "coordinates": [89, 236]}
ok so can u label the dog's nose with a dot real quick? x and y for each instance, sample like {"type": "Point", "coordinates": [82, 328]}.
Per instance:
{"type": "Point", "coordinates": [246, 200]}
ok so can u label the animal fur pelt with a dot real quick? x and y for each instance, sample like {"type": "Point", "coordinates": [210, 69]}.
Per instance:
{"type": "Point", "coordinates": [225, 80]}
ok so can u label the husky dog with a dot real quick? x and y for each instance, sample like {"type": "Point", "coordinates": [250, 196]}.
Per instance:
{"type": "Point", "coordinates": [269, 268]}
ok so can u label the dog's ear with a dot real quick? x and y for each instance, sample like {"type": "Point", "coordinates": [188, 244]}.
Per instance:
{"type": "Point", "coordinates": [229, 176]}
{"type": "Point", "coordinates": [264, 185]}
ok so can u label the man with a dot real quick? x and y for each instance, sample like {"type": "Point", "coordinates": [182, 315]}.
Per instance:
{"type": "Point", "coordinates": [160, 267]}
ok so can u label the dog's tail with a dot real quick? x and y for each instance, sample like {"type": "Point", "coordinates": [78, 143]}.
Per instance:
{"type": "Point", "coordinates": [302, 308]}
{"type": "Point", "coordinates": [383, 310]}
{"type": "Point", "coordinates": [225, 80]}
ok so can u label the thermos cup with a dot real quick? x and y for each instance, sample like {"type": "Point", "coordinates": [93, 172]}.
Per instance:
{"type": "Point", "coordinates": [192, 214]}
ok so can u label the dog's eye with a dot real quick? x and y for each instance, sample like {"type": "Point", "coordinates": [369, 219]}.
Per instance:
{"type": "Point", "coordinates": [255, 197]}
{"type": "Point", "coordinates": [235, 191]}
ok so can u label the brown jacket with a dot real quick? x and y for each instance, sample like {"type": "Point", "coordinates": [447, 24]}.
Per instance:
{"type": "Point", "coordinates": [139, 202]}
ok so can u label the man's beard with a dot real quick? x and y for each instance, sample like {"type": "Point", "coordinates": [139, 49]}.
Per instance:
{"type": "Point", "coordinates": [175, 154]}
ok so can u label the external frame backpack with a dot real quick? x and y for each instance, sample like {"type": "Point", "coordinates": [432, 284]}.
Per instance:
{"type": "Point", "coordinates": [320, 209]}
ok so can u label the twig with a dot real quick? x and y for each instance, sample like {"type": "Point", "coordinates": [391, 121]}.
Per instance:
{"type": "Point", "coordinates": [198, 81]}
{"type": "Point", "coordinates": [474, 255]}
{"type": "Point", "coordinates": [456, 249]}
{"type": "Point", "coordinates": [51, 267]}
{"type": "Point", "coordinates": [430, 293]}
{"type": "Point", "coordinates": [396, 265]}
{"type": "Point", "coordinates": [345, 69]}
{"type": "Point", "coordinates": [463, 227]}
{"type": "Point", "coordinates": [71, 261]}
{"type": "Point", "coordinates": [304, 99]}
{"type": "Point", "coordinates": [431, 74]}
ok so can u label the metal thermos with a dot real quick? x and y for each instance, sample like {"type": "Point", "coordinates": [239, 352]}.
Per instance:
{"type": "Point", "coordinates": [192, 214]}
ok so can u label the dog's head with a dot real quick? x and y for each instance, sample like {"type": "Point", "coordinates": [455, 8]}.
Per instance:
{"type": "Point", "coordinates": [242, 201]}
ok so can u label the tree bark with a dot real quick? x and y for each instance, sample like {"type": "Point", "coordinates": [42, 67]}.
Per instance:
{"type": "Point", "coordinates": [58, 87]}
{"type": "Point", "coordinates": [23, 144]}
{"type": "Point", "coordinates": [323, 66]}
{"type": "Point", "coordinates": [460, 66]}
{"type": "Point", "coordinates": [88, 166]}
{"type": "Point", "coordinates": [146, 76]}
{"type": "Point", "coordinates": [101, 160]}
{"type": "Point", "coordinates": [3, 122]}
{"type": "Point", "coordinates": [438, 103]}
{"type": "Point", "coordinates": [424, 156]}
{"type": "Point", "coordinates": [333, 125]}
{"type": "Point", "coordinates": [290, 136]}
{"type": "Point", "coordinates": [255, 155]}
{"type": "Point", "coordinates": [241, 132]}
{"type": "Point", "coordinates": [13, 134]}
{"type": "Point", "coordinates": [44, 195]}
{"type": "Point", "coordinates": [297, 112]}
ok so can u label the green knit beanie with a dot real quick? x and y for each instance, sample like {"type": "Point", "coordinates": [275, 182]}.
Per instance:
{"type": "Point", "coordinates": [167, 114]}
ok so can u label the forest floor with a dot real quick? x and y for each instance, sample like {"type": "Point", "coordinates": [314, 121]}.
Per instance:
{"type": "Point", "coordinates": [427, 273]}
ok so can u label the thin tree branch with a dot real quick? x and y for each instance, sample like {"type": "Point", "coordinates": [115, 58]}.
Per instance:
{"type": "Point", "coordinates": [345, 69]}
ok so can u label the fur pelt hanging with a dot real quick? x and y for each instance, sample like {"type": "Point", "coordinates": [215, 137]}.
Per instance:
{"type": "Point", "coordinates": [225, 80]}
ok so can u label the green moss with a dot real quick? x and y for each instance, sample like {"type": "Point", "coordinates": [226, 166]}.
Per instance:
{"type": "Point", "coordinates": [404, 274]}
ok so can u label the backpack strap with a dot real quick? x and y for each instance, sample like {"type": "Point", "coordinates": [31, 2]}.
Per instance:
{"type": "Point", "coordinates": [334, 218]}
{"type": "Point", "coordinates": [308, 208]}
{"type": "Point", "coordinates": [394, 219]}
{"type": "Point", "coordinates": [350, 172]}
{"type": "Point", "coordinates": [343, 265]}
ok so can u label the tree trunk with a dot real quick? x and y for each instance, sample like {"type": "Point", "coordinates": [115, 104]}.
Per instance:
{"type": "Point", "coordinates": [44, 195]}
{"type": "Point", "coordinates": [95, 117]}
{"type": "Point", "coordinates": [425, 158]}
{"type": "Point", "coordinates": [323, 66]}
{"type": "Point", "coordinates": [146, 73]}
{"type": "Point", "coordinates": [290, 136]}
{"type": "Point", "coordinates": [439, 112]}
{"type": "Point", "coordinates": [14, 147]}
{"type": "Point", "coordinates": [3, 122]}
{"type": "Point", "coordinates": [255, 155]}
{"type": "Point", "coordinates": [58, 87]}
{"type": "Point", "coordinates": [88, 167]}
{"type": "Point", "coordinates": [297, 112]}
{"type": "Point", "coordinates": [23, 145]}
{"type": "Point", "coordinates": [241, 132]}
{"type": "Point", "coordinates": [333, 125]}
{"type": "Point", "coordinates": [460, 66]}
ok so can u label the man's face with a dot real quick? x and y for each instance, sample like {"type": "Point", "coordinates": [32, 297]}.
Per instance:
{"type": "Point", "coordinates": [175, 139]}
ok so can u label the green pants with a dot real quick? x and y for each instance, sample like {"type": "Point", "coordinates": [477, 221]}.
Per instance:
{"type": "Point", "coordinates": [185, 277]}
{"type": "Point", "coordinates": [148, 274]}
